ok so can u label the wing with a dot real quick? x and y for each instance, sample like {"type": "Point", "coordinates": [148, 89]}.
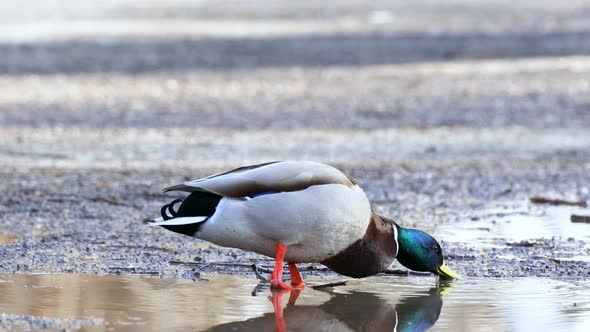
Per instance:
{"type": "Point", "coordinates": [277, 176]}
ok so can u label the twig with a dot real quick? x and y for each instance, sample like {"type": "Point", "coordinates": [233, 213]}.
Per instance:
{"type": "Point", "coordinates": [202, 267]}
{"type": "Point", "coordinates": [235, 264]}
{"type": "Point", "coordinates": [330, 284]}
{"type": "Point", "coordinates": [122, 268]}
{"type": "Point", "coordinates": [460, 257]}
{"type": "Point", "coordinates": [267, 270]}
{"type": "Point", "coordinates": [545, 200]}
{"type": "Point", "coordinates": [126, 246]}
{"type": "Point", "coordinates": [528, 244]}
{"type": "Point", "coordinates": [149, 273]}
{"type": "Point", "coordinates": [258, 275]}
{"type": "Point", "coordinates": [111, 200]}
{"type": "Point", "coordinates": [383, 201]}
{"type": "Point", "coordinates": [259, 268]}
{"type": "Point", "coordinates": [174, 262]}
{"type": "Point", "coordinates": [397, 272]}
{"type": "Point", "coordinates": [522, 243]}
{"type": "Point", "coordinates": [575, 218]}
{"type": "Point", "coordinates": [313, 267]}
{"type": "Point", "coordinates": [261, 285]}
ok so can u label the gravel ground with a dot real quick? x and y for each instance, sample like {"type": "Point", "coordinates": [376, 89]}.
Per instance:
{"type": "Point", "coordinates": [439, 110]}
{"type": "Point", "coordinates": [89, 221]}
{"type": "Point", "coordinates": [32, 323]}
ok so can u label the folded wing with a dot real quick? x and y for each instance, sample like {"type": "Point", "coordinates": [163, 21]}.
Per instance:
{"type": "Point", "coordinates": [281, 176]}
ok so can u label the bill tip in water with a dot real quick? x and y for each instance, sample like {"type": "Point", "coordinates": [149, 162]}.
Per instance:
{"type": "Point", "coordinates": [446, 273]}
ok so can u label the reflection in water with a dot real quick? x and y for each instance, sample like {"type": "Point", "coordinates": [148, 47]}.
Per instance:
{"type": "Point", "coordinates": [354, 311]}
{"type": "Point", "coordinates": [419, 313]}
{"type": "Point", "coordinates": [517, 224]}
{"type": "Point", "coordinates": [379, 303]}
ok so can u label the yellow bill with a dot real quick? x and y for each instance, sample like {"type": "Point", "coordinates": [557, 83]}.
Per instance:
{"type": "Point", "coordinates": [446, 272]}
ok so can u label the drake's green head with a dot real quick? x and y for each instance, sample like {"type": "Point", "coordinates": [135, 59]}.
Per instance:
{"type": "Point", "coordinates": [419, 251]}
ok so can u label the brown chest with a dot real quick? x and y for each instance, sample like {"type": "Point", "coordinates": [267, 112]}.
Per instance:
{"type": "Point", "coordinates": [367, 256]}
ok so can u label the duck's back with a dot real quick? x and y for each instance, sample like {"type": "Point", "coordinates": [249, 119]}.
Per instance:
{"type": "Point", "coordinates": [279, 176]}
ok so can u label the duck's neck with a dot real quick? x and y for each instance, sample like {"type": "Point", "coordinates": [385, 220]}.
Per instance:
{"type": "Point", "coordinates": [369, 255]}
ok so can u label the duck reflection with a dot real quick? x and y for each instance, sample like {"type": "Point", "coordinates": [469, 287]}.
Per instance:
{"type": "Point", "coordinates": [354, 311]}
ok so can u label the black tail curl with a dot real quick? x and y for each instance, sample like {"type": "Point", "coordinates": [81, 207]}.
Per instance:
{"type": "Point", "coordinates": [170, 208]}
{"type": "Point", "coordinates": [197, 204]}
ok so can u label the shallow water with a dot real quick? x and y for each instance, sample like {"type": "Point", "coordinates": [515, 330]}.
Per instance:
{"type": "Point", "coordinates": [225, 303]}
{"type": "Point", "coordinates": [519, 222]}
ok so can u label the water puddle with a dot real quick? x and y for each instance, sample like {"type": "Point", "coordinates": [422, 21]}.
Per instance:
{"type": "Point", "coordinates": [8, 238]}
{"type": "Point", "coordinates": [517, 223]}
{"type": "Point", "coordinates": [225, 303]}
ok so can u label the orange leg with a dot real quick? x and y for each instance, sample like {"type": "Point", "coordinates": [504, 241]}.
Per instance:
{"type": "Point", "coordinates": [296, 281]}
{"type": "Point", "coordinates": [276, 277]}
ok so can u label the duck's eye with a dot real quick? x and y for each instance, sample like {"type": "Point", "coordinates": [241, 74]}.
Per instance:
{"type": "Point", "coordinates": [436, 248]}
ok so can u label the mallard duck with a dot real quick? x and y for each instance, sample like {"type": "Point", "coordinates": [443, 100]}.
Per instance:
{"type": "Point", "coordinates": [299, 212]}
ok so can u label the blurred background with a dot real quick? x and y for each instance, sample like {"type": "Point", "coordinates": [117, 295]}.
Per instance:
{"type": "Point", "coordinates": [214, 83]}
{"type": "Point", "coordinates": [475, 98]}
{"type": "Point", "coordinates": [451, 114]}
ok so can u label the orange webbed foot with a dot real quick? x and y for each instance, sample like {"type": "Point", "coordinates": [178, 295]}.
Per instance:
{"type": "Point", "coordinates": [276, 278]}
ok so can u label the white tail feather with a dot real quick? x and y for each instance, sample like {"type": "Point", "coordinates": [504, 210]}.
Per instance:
{"type": "Point", "coordinates": [176, 221]}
